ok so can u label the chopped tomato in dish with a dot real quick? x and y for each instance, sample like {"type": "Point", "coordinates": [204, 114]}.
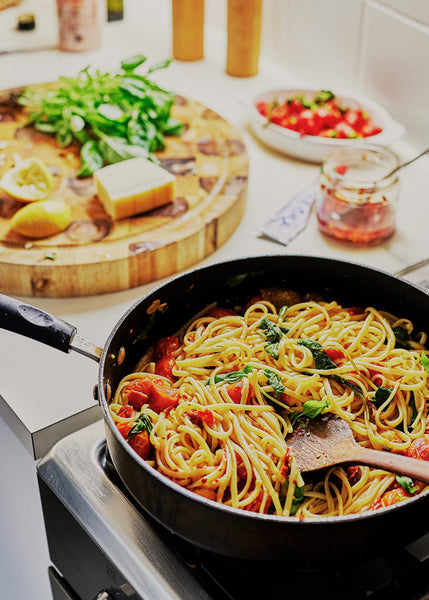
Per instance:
{"type": "Point", "coordinates": [321, 115]}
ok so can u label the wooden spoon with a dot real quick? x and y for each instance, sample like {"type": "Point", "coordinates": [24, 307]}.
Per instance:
{"type": "Point", "coordinates": [328, 440]}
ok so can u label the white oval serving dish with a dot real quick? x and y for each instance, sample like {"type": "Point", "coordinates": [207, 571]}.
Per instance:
{"type": "Point", "coordinates": [314, 148]}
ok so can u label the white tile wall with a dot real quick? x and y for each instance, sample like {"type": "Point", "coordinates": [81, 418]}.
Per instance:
{"type": "Point", "coordinates": [319, 41]}
{"type": "Point", "coordinates": [415, 9]}
{"type": "Point", "coordinates": [394, 66]}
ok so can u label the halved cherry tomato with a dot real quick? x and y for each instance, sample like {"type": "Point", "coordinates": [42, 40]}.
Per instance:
{"type": "Point", "coordinates": [234, 391]}
{"type": "Point", "coordinates": [353, 474]}
{"type": "Point", "coordinates": [166, 346]}
{"type": "Point", "coordinates": [137, 391]}
{"type": "Point", "coordinates": [165, 366]}
{"type": "Point", "coordinates": [344, 130]}
{"type": "Point", "coordinates": [140, 443]}
{"type": "Point", "coordinates": [330, 115]}
{"type": "Point", "coordinates": [309, 123]}
{"type": "Point", "coordinates": [355, 118]}
{"type": "Point", "coordinates": [392, 497]}
{"type": "Point", "coordinates": [199, 416]}
{"type": "Point", "coordinates": [335, 354]}
{"type": "Point", "coordinates": [124, 428]}
{"type": "Point", "coordinates": [126, 412]}
{"type": "Point", "coordinates": [152, 391]}
{"type": "Point", "coordinates": [419, 448]}
{"type": "Point", "coordinates": [163, 398]}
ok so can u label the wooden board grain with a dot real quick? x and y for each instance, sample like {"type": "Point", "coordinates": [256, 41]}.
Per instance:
{"type": "Point", "coordinates": [96, 255]}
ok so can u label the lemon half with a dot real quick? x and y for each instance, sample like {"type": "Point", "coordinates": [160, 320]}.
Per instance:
{"type": "Point", "coordinates": [29, 181]}
{"type": "Point", "coordinates": [41, 219]}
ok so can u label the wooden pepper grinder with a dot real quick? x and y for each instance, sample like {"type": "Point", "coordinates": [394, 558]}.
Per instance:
{"type": "Point", "coordinates": [188, 29]}
{"type": "Point", "coordinates": [244, 26]}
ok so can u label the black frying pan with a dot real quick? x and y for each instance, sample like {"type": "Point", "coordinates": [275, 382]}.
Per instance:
{"type": "Point", "coordinates": [224, 530]}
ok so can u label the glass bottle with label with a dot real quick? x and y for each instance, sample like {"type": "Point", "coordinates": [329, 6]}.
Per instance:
{"type": "Point", "coordinates": [80, 24]}
{"type": "Point", "coordinates": [115, 10]}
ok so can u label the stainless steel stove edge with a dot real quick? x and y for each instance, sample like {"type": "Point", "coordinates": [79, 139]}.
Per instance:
{"type": "Point", "coordinates": [71, 470]}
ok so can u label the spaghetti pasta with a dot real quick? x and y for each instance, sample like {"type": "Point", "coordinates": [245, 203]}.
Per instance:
{"type": "Point", "coordinates": [216, 402]}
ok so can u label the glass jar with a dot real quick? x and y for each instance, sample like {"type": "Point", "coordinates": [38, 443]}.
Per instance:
{"type": "Point", "coordinates": [80, 24]}
{"type": "Point", "coordinates": [357, 201]}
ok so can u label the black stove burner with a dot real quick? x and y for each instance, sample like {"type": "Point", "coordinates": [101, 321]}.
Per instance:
{"type": "Point", "coordinates": [396, 576]}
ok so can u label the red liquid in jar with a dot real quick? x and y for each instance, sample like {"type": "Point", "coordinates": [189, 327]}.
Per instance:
{"type": "Point", "coordinates": [365, 224]}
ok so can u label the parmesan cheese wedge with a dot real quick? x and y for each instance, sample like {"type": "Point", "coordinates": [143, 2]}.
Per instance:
{"type": "Point", "coordinates": [133, 186]}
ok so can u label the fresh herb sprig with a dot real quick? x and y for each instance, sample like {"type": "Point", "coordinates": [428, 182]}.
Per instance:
{"type": "Point", "coordinates": [273, 334]}
{"type": "Point", "coordinates": [310, 410]}
{"type": "Point", "coordinates": [143, 423]}
{"type": "Point", "coordinates": [113, 116]}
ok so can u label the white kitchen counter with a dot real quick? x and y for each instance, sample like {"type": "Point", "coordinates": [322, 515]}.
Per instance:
{"type": "Point", "coordinates": [47, 394]}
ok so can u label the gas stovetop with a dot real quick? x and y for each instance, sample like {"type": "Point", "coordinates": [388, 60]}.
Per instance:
{"type": "Point", "coordinates": [104, 546]}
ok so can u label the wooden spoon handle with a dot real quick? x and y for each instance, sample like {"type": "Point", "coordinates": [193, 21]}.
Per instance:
{"type": "Point", "coordinates": [402, 465]}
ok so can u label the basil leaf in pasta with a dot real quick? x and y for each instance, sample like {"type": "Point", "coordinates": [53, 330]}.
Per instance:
{"type": "Point", "coordinates": [381, 395]}
{"type": "Point", "coordinates": [232, 376]}
{"type": "Point", "coordinates": [356, 389]}
{"type": "Point", "coordinates": [322, 360]}
{"type": "Point", "coordinates": [406, 483]}
{"type": "Point", "coordinates": [425, 361]}
{"type": "Point", "coordinates": [143, 423]}
{"type": "Point", "coordinates": [272, 332]}
{"type": "Point", "coordinates": [275, 382]}
{"type": "Point", "coordinates": [310, 410]}
{"type": "Point", "coordinates": [298, 498]}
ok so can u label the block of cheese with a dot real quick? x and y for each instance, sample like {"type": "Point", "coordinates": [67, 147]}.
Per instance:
{"type": "Point", "coordinates": [133, 186]}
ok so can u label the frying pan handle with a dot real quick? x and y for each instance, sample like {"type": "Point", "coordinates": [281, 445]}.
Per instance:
{"type": "Point", "coordinates": [27, 320]}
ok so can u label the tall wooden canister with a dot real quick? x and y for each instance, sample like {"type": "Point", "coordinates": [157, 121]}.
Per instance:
{"type": "Point", "coordinates": [188, 29]}
{"type": "Point", "coordinates": [244, 24]}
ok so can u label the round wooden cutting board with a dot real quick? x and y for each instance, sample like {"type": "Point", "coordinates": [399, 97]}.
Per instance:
{"type": "Point", "coordinates": [94, 254]}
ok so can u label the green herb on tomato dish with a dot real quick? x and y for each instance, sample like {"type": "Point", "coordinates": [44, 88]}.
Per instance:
{"type": "Point", "coordinates": [113, 116]}
{"type": "Point", "coordinates": [319, 115]}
